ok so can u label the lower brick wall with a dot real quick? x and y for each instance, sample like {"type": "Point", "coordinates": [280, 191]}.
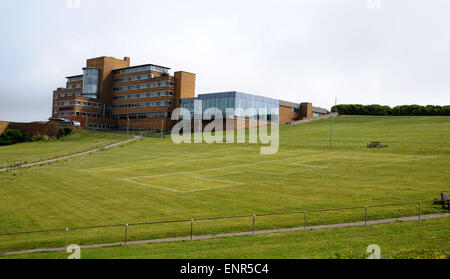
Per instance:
{"type": "Point", "coordinates": [3, 126]}
{"type": "Point", "coordinates": [35, 128]}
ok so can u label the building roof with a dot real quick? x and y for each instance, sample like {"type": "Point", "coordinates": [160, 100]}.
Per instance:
{"type": "Point", "coordinates": [289, 104]}
{"type": "Point", "coordinates": [118, 69]}
{"type": "Point", "coordinates": [235, 94]}
{"type": "Point", "coordinates": [74, 76]}
{"type": "Point", "coordinates": [319, 110]}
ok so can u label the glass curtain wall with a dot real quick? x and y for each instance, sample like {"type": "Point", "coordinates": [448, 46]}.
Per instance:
{"type": "Point", "coordinates": [240, 102]}
{"type": "Point", "coordinates": [90, 82]}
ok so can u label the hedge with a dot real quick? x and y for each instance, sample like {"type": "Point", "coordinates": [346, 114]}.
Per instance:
{"type": "Point", "coordinates": [408, 110]}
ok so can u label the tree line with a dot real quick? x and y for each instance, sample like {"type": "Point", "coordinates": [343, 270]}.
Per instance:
{"type": "Point", "coordinates": [405, 110]}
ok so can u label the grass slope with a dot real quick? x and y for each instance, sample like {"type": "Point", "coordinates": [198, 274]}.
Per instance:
{"type": "Point", "coordinates": [413, 240]}
{"type": "Point", "coordinates": [79, 141]}
{"type": "Point", "coordinates": [153, 179]}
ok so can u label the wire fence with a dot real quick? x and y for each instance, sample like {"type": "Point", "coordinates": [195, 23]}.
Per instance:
{"type": "Point", "coordinates": [124, 229]}
{"type": "Point", "coordinates": [406, 146]}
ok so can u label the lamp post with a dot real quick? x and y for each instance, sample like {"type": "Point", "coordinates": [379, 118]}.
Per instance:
{"type": "Point", "coordinates": [332, 124]}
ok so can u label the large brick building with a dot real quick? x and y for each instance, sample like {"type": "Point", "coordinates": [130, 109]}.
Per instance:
{"type": "Point", "coordinates": [111, 94]}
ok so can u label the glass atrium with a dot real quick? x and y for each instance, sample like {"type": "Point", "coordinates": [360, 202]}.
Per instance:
{"type": "Point", "coordinates": [241, 103]}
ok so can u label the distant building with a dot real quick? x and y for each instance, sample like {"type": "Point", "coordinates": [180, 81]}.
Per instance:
{"type": "Point", "coordinates": [110, 94]}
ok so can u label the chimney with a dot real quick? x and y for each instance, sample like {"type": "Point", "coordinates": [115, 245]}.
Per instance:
{"type": "Point", "coordinates": [127, 59]}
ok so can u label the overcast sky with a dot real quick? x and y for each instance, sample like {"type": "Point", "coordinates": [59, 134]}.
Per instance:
{"type": "Point", "coordinates": [359, 51]}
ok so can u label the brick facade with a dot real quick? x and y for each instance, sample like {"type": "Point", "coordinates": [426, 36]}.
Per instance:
{"type": "Point", "coordinates": [137, 98]}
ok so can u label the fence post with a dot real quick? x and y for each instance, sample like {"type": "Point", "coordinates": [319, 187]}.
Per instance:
{"type": "Point", "coordinates": [192, 229]}
{"type": "Point", "coordinates": [126, 234]}
{"type": "Point", "coordinates": [365, 218]}
{"type": "Point", "coordinates": [420, 210]}
{"type": "Point", "coordinates": [254, 220]}
{"type": "Point", "coordinates": [67, 237]}
{"type": "Point", "coordinates": [306, 220]}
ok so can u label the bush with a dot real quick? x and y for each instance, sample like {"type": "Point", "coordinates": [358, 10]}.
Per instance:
{"type": "Point", "coordinates": [60, 134]}
{"type": "Point", "coordinates": [406, 110]}
{"type": "Point", "coordinates": [376, 145]}
{"type": "Point", "coordinates": [38, 137]}
{"type": "Point", "coordinates": [5, 142]}
{"type": "Point", "coordinates": [63, 132]}
{"type": "Point", "coordinates": [67, 131]}
{"type": "Point", "coordinates": [12, 136]}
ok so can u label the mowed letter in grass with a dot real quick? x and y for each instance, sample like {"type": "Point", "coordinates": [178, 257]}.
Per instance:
{"type": "Point", "coordinates": [154, 179]}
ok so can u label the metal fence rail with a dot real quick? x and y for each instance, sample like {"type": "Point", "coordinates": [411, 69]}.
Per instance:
{"type": "Point", "coordinates": [252, 216]}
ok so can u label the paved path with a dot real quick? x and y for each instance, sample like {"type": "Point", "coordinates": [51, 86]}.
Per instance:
{"type": "Point", "coordinates": [73, 155]}
{"type": "Point", "coordinates": [202, 237]}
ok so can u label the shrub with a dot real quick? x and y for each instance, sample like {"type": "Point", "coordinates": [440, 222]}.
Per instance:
{"type": "Point", "coordinates": [60, 134]}
{"type": "Point", "coordinates": [12, 137]}
{"type": "Point", "coordinates": [36, 137]}
{"type": "Point", "coordinates": [63, 132]}
{"type": "Point", "coordinates": [5, 142]}
{"type": "Point", "coordinates": [67, 131]}
{"type": "Point", "coordinates": [376, 145]}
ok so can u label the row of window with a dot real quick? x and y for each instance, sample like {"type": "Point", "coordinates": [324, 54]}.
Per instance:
{"type": "Point", "coordinates": [78, 85]}
{"type": "Point", "coordinates": [144, 85]}
{"type": "Point", "coordinates": [143, 95]}
{"type": "Point", "coordinates": [65, 95]}
{"type": "Point", "coordinates": [135, 78]}
{"type": "Point", "coordinates": [79, 103]}
{"type": "Point", "coordinates": [153, 114]}
{"type": "Point", "coordinates": [99, 126]}
{"type": "Point", "coordinates": [143, 105]}
{"type": "Point", "coordinates": [77, 113]}
{"type": "Point", "coordinates": [141, 69]}
{"type": "Point", "coordinates": [71, 79]}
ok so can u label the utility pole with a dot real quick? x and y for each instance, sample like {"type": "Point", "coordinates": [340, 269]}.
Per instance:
{"type": "Point", "coordinates": [332, 122]}
{"type": "Point", "coordinates": [87, 127]}
{"type": "Point", "coordinates": [128, 124]}
{"type": "Point", "coordinates": [162, 128]}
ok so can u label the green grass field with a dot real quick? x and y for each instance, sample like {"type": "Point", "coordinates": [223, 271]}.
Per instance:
{"type": "Point", "coordinates": [413, 240]}
{"type": "Point", "coordinates": [37, 151]}
{"type": "Point", "coordinates": [154, 179]}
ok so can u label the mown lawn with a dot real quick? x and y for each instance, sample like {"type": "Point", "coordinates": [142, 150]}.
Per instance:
{"type": "Point", "coordinates": [412, 240]}
{"type": "Point", "coordinates": [79, 141]}
{"type": "Point", "coordinates": [154, 179]}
